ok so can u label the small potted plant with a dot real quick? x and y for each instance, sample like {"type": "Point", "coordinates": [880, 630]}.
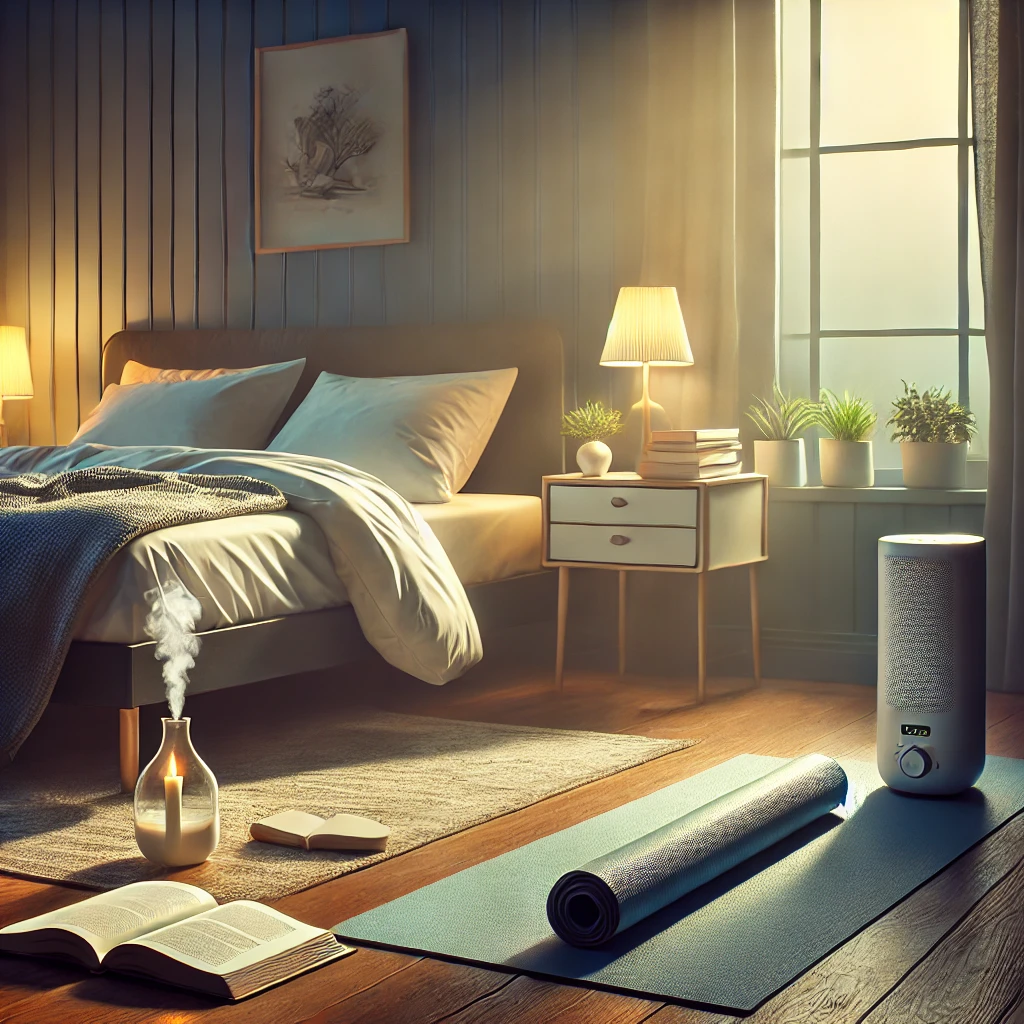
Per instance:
{"type": "Point", "coordinates": [591, 424]}
{"type": "Point", "coordinates": [845, 455]}
{"type": "Point", "coordinates": [779, 453]}
{"type": "Point", "coordinates": [933, 433]}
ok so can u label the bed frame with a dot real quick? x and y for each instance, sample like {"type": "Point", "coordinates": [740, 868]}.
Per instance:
{"type": "Point", "coordinates": [525, 445]}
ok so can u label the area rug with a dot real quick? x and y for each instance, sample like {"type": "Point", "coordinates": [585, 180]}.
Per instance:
{"type": "Point", "coordinates": [425, 777]}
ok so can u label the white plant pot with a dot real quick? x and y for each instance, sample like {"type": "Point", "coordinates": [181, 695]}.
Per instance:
{"type": "Point", "coordinates": [594, 458]}
{"type": "Point", "coordinates": [783, 462]}
{"type": "Point", "coordinates": [846, 463]}
{"type": "Point", "coordinates": [934, 464]}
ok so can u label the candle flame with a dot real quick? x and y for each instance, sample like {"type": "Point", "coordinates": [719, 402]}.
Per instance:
{"type": "Point", "coordinates": [173, 767]}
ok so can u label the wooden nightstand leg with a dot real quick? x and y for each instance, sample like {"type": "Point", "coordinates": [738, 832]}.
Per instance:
{"type": "Point", "coordinates": [702, 634]}
{"type": "Point", "coordinates": [755, 623]}
{"type": "Point", "coordinates": [622, 622]}
{"type": "Point", "coordinates": [563, 614]}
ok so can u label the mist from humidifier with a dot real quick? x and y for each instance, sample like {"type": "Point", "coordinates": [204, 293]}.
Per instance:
{"type": "Point", "coordinates": [171, 622]}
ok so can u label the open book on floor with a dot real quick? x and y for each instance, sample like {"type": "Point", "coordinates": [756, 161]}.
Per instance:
{"type": "Point", "coordinates": [311, 832]}
{"type": "Point", "coordinates": [177, 934]}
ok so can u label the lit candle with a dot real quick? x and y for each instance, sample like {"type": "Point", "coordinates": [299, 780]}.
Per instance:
{"type": "Point", "coordinates": [172, 808]}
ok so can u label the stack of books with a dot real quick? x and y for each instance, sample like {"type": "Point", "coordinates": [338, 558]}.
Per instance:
{"type": "Point", "coordinates": [691, 454]}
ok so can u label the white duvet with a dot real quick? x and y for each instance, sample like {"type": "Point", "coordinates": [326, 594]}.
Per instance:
{"type": "Point", "coordinates": [409, 601]}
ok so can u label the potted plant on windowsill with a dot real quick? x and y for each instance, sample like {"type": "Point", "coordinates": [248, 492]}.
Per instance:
{"type": "Point", "coordinates": [591, 424]}
{"type": "Point", "coordinates": [779, 453]}
{"type": "Point", "coordinates": [845, 455]}
{"type": "Point", "coordinates": [933, 433]}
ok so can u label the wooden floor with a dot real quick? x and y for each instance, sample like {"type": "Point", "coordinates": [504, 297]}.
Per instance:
{"type": "Point", "coordinates": [952, 951]}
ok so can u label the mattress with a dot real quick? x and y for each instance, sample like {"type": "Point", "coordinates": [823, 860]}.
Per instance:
{"type": "Point", "coordinates": [259, 567]}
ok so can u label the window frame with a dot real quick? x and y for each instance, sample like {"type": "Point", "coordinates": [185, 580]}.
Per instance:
{"type": "Point", "coordinates": [964, 142]}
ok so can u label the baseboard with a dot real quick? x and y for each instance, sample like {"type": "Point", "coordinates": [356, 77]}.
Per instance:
{"type": "Point", "coordinates": [796, 654]}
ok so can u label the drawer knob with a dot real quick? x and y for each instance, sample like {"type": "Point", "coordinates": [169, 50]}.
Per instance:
{"type": "Point", "coordinates": [619, 502]}
{"type": "Point", "coordinates": [618, 540]}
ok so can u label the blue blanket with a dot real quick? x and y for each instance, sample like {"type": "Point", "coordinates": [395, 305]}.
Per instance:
{"type": "Point", "coordinates": [56, 534]}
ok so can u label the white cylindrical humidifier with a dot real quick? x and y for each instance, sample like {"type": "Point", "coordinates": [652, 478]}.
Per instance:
{"type": "Point", "coordinates": [931, 662]}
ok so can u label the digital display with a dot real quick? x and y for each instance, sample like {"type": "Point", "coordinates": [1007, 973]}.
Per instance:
{"type": "Point", "coordinates": [916, 730]}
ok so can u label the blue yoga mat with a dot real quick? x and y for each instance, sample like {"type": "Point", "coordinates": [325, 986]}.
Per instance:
{"type": "Point", "coordinates": [735, 941]}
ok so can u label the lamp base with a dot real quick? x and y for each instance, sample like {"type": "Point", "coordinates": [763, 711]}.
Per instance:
{"type": "Point", "coordinates": [628, 446]}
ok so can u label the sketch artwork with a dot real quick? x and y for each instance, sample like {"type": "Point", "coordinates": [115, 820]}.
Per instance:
{"type": "Point", "coordinates": [328, 141]}
{"type": "Point", "coordinates": [332, 143]}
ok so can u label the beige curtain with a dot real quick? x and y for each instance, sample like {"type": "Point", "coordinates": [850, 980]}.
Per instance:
{"type": "Point", "coordinates": [710, 198]}
{"type": "Point", "coordinates": [997, 64]}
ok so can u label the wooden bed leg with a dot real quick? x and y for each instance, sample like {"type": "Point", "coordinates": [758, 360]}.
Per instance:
{"type": "Point", "coordinates": [129, 747]}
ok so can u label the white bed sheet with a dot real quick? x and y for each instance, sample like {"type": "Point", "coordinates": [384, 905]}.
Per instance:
{"type": "Point", "coordinates": [257, 567]}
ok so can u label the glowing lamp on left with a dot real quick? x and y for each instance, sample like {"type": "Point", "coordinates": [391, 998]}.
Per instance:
{"type": "Point", "coordinates": [177, 818]}
{"type": "Point", "coordinates": [15, 371]}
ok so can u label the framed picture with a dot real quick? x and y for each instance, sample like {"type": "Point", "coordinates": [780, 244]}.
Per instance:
{"type": "Point", "coordinates": [332, 143]}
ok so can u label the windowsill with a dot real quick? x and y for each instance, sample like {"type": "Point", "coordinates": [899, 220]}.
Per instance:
{"type": "Point", "coordinates": [880, 495]}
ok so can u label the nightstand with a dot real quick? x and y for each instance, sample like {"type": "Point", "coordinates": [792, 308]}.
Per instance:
{"type": "Point", "coordinates": [622, 522]}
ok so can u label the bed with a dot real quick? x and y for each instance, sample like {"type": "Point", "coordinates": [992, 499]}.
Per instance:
{"type": "Point", "coordinates": [271, 606]}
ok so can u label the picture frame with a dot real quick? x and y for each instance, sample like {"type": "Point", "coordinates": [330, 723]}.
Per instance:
{"type": "Point", "coordinates": [331, 143]}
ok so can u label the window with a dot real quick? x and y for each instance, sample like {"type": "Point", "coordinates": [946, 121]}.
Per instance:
{"type": "Point", "coordinates": [879, 255]}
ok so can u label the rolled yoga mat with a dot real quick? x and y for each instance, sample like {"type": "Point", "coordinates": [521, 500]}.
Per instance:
{"type": "Point", "coordinates": [593, 903]}
{"type": "Point", "coordinates": [731, 943]}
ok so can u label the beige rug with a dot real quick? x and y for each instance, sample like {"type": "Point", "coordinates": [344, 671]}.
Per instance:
{"type": "Point", "coordinates": [425, 777]}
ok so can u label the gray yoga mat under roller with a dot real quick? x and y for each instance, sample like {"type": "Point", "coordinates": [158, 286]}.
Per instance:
{"type": "Point", "coordinates": [731, 943]}
{"type": "Point", "coordinates": [600, 899]}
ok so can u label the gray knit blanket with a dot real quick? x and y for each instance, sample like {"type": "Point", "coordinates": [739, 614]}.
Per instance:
{"type": "Point", "coordinates": [56, 534]}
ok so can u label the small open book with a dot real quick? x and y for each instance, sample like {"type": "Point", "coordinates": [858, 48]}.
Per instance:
{"type": "Point", "coordinates": [177, 934]}
{"type": "Point", "coordinates": [311, 832]}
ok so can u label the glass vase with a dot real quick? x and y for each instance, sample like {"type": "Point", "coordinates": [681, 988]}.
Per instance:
{"type": "Point", "coordinates": [177, 819]}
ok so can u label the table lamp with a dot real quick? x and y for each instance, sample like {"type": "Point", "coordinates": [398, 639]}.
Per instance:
{"type": "Point", "coordinates": [15, 371]}
{"type": "Point", "coordinates": [647, 330]}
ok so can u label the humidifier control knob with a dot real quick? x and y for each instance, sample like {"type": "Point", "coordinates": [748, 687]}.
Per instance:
{"type": "Point", "coordinates": [915, 763]}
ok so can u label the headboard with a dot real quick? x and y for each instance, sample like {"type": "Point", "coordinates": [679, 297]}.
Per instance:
{"type": "Point", "coordinates": [526, 442]}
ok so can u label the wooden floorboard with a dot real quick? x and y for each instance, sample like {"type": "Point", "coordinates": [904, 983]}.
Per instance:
{"type": "Point", "coordinates": [848, 983]}
{"type": "Point", "coordinates": [526, 1000]}
{"type": "Point", "coordinates": [961, 924]}
{"type": "Point", "coordinates": [430, 990]}
{"type": "Point", "coordinates": [985, 956]}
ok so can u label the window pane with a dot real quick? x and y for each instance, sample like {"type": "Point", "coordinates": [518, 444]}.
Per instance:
{"type": "Point", "coordinates": [795, 314]}
{"type": "Point", "coordinates": [978, 369]}
{"type": "Point", "coordinates": [976, 295]}
{"type": "Point", "coordinates": [795, 366]}
{"type": "Point", "coordinates": [889, 239]}
{"type": "Point", "coordinates": [874, 368]}
{"type": "Point", "coordinates": [888, 70]}
{"type": "Point", "coordinates": [796, 74]}
{"type": "Point", "coordinates": [970, 100]}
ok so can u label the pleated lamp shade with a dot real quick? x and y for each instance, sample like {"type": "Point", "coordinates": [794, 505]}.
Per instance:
{"type": "Point", "coordinates": [647, 327]}
{"type": "Point", "coordinates": [15, 371]}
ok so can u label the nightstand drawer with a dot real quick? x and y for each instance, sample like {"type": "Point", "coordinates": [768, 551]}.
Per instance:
{"type": "Point", "coordinates": [622, 545]}
{"type": "Point", "coordinates": [646, 506]}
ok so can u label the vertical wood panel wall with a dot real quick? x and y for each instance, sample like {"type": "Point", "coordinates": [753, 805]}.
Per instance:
{"type": "Point", "coordinates": [126, 177]}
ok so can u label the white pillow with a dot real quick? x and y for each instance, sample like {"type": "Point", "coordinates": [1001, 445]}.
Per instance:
{"type": "Point", "coordinates": [139, 373]}
{"type": "Point", "coordinates": [423, 436]}
{"type": "Point", "coordinates": [238, 410]}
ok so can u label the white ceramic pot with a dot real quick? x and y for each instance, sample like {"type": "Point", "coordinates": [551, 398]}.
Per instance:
{"type": "Point", "coordinates": [783, 462]}
{"type": "Point", "coordinates": [934, 464]}
{"type": "Point", "coordinates": [594, 458]}
{"type": "Point", "coordinates": [846, 463]}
